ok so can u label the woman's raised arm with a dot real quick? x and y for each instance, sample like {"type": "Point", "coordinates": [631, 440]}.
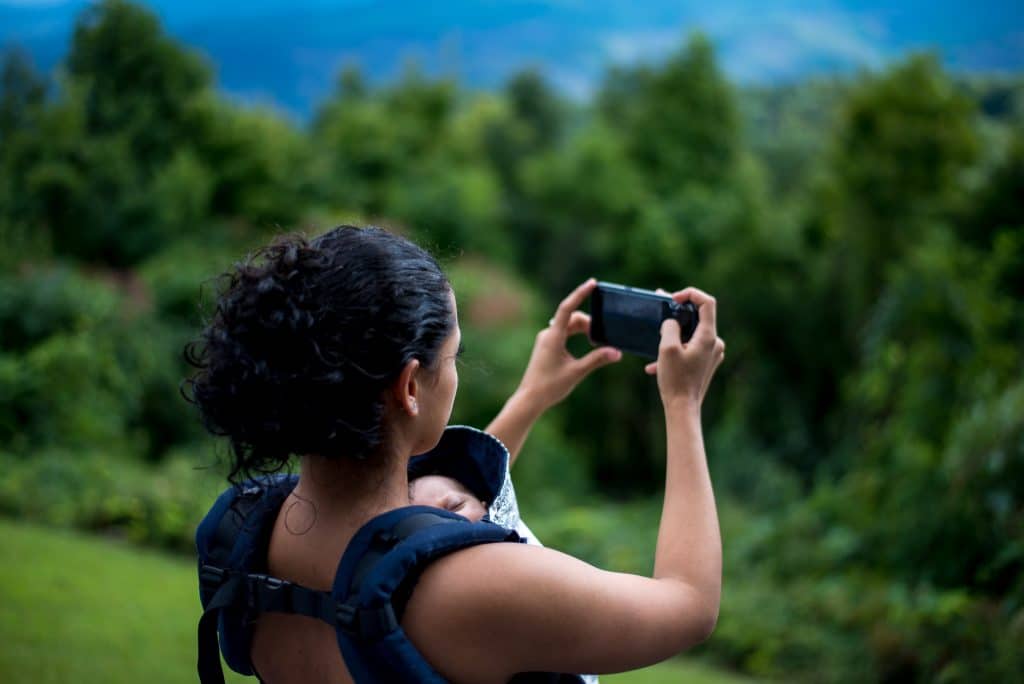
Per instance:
{"type": "Point", "coordinates": [511, 608]}
{"type": "Point", "coordinates": [551, 373]}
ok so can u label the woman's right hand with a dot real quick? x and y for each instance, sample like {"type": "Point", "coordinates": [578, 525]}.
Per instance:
{"type": "Point", "coordinates": [685, 370]}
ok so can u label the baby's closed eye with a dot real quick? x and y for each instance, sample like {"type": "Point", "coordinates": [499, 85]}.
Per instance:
{"type": "Point", "coordinates": [454, 502]}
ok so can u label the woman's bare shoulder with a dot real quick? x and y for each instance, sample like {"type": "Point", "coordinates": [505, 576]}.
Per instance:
{"type": "Point", "coordinates": [489, 611]}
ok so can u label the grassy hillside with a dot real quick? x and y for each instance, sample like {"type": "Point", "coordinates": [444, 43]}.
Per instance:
{"type": "Point", "coordinates": [85, 609]}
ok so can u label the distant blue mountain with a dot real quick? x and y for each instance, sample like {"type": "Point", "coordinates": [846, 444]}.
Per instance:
{"type": "Point", "coordinates": [287, 52]}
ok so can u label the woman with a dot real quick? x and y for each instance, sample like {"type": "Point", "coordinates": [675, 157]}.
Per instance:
{"type": "Point", "coordinates": [342, 350]}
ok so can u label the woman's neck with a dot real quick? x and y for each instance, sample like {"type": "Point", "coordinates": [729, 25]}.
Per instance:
{"type": "Point", "coordinates": [332, 500]}
{"type": "Point", "coordinates": [333, 491]}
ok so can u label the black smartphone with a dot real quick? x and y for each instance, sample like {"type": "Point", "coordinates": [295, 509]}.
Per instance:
{"type": "Point", "coordinates": [629, 318]}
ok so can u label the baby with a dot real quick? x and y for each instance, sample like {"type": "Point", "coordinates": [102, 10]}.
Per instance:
{"type": "Point", "coordinates": [442, 491]}
{"type": "Point", "coordinates": [448, 493]}
{"type": "Point", "coordinates": [468, 473]}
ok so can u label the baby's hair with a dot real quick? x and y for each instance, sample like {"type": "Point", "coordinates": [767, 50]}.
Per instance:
{"type": "Point", "coordinates": [413, 477]}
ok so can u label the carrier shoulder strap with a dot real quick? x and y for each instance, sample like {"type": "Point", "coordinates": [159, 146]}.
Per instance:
{"type": "Point", "coordinates": [378, 572]}
{"type": "Point", "coordinates": [364, 607]}
{"type": "Point", "coordinates": [227, 542]}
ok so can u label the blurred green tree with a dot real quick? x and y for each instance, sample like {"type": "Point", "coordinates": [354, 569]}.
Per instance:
{"type": "Point", "coordinates": [22, 99]}
{"type": "Point", "coordinates": [864, 237]}
{"type": "Point", "coordinates": [135, 81]}
{"type": "Point", "coordinates": [680, 119]}
{"type": "Point", "coordinates": [22, 91]}
{"type": "Point", "coordinates": [530, 121]}
{"type": "Point", "coordinates": [903, 143]}
{"type": "Point", "coordinates": [122, 114]}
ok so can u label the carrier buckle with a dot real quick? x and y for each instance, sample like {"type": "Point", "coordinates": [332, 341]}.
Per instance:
{"type": "Point", "coordinates": [346, 616]}
{"type": "Point", "coordinates": [211, 574]}
{"type": "Point", "coordinates": [269, 581]}
{"type": "Point", "coordinates": [267, 593]}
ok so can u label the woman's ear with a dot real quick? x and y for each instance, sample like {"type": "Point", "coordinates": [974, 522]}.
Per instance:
{"type": "Point", "coordinates": [406, 388]}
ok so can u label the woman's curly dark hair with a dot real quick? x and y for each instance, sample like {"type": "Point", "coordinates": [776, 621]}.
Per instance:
{"type": "Point", "coordinates": [305, 338]}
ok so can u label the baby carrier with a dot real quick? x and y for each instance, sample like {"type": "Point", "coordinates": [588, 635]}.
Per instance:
{"type": "Point", "coordinates": [375, 576]}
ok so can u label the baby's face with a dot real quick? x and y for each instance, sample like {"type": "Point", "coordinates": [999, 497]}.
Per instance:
{"type": "Point", "coordinates": [447, 493]}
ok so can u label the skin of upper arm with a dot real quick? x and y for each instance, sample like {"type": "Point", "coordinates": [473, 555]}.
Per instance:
{"type": "Point", "coordinates": [487, 612]}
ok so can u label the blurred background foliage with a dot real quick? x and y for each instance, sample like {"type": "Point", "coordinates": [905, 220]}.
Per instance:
{"type": "Point", "coordinates": [864, 237]}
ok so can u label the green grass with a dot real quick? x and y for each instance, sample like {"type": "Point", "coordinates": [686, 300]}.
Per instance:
{"type": "Point", "coordinates": [677, 671]}
{"type": "Point", "coordinates": [76, 608]}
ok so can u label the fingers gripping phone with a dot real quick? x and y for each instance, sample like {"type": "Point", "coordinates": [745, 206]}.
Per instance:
{"type": "Point", "coordinates": [629, 318]}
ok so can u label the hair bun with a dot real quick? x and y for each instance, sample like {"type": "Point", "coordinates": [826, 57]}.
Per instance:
{"type": "Point", "coordinates": [305, 338]}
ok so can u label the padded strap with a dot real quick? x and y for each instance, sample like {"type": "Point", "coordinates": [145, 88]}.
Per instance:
{"type": "Point", "coordinates": [362, 606]}
{"type": "Point", "coordinates": [226, 595]}
{"type": "Point", "coordinates": [391, 581]}
{"type": "Point", "coordinates": [385, 540]}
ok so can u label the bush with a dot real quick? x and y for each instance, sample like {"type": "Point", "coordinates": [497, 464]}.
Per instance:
{"type": "Point", "coordinates": [182, 278]}
{"type": "Point", "coordinates": [113, 493]}
{"type": "Point", "coordinates": [45, 301]}
{"type": "Point", "coordinates": [84, 366]}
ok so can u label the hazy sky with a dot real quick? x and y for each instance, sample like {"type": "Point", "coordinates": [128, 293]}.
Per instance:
{"type": "Point", "coordinates": [288, 51]}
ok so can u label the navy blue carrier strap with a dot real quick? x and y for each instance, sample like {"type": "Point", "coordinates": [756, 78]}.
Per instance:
{"type": "Point", "coordinates": [260, 593]}
{"type": "Point", "coordinates": [378, 572]}
{"type": "Point", "coordinates": [372, 585]}
{"type": "Point", "coordinates": [231, 542]}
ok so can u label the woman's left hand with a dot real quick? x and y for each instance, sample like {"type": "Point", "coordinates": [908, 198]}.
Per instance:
{"type": "Point", "coordinates": [552, 371]}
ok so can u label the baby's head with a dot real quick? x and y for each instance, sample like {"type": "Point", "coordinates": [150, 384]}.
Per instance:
{"type": "Point", "coordinates": [448, 493]}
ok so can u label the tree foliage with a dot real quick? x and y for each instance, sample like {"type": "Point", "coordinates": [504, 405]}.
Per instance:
{"type": "Point", "coordinates": [864, 238]}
